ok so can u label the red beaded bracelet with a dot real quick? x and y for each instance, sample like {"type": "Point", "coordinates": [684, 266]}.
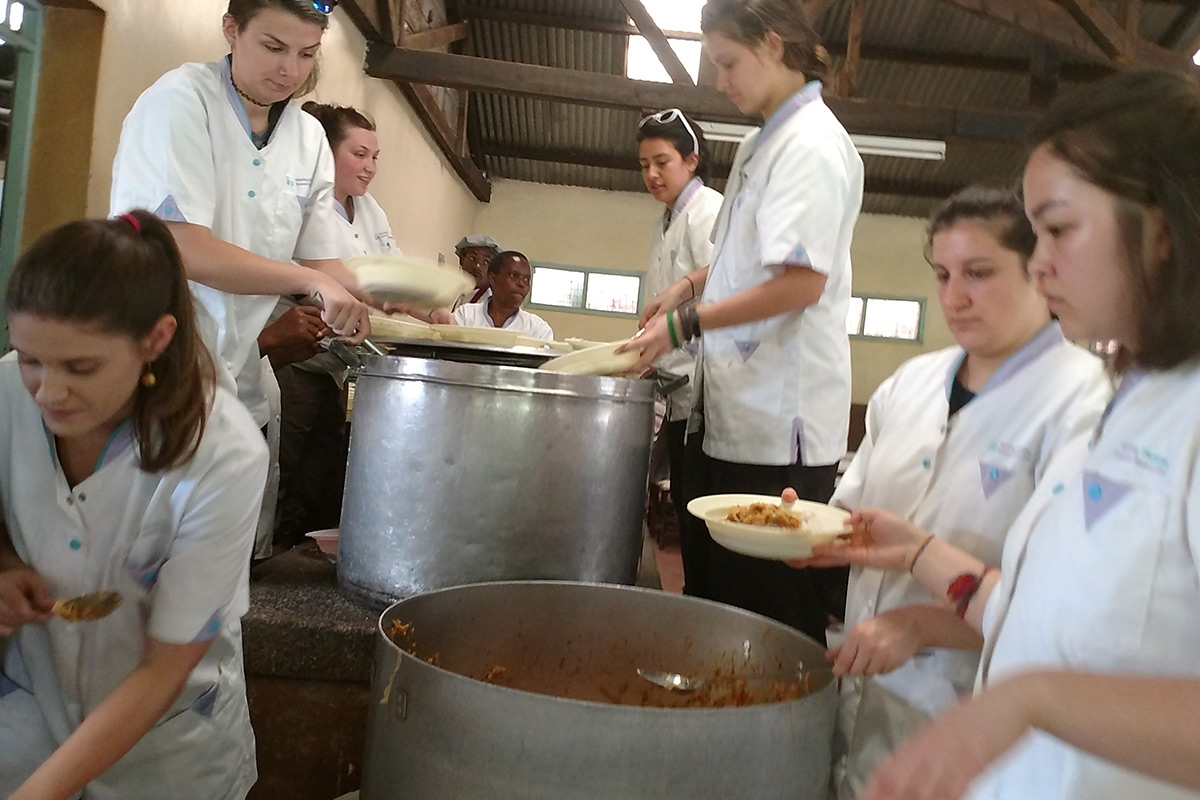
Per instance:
{"type": "Point", "coordinates": [963, 588]}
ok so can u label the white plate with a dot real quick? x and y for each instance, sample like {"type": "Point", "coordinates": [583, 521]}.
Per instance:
{"type": "Point", "coordinates": [598, 360]}
{"type": "Point", "coordinates": [400, 327]}
{"type": "Point", "coordinates": [581, 344]}
{"type": "Point", "coordinates": [477, 335]}
{"type": "Point", "coordinates": [822, 524]}
{"type": "Point", "coordinates": [403, 279]}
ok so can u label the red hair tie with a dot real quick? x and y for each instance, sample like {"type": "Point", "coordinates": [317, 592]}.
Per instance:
{"type": "Point", "coordinates": [132, 220]}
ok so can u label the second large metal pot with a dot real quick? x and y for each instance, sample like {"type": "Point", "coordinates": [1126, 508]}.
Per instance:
{"type": "Point", "coordinates": [460, 473]}
{"type": "Point", "coordinates": [436, 734]}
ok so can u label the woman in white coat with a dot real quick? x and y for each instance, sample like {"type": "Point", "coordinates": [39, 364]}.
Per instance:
{"type": "Point", "coordinates": [674, 160]}
{"type": "Point", "coordinates": [245, 180]}
{"type": "Point", "coordinates": [1090, 675]}
{"type": "Point", "coordinates": [772, 394]}
{"type": "Point", "coordinates": [124, 466]}
{"type": "Point", "coordinates": [955, 441]}
{"type": "Point", "coordinates": [312, 438]}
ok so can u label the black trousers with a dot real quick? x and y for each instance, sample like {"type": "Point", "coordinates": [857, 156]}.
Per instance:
{"type": "Point", "coordinates": [806, 599]}
{"type": "Point", "coordinates": [312, 454]}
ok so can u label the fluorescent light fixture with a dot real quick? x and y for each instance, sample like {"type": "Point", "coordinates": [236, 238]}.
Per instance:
{"type": "Point", "coordinates": [891, 146]}
{"type": "Point", "coordinates": [16, 16]}
{"type": "Point", "coordinates": [1196, 58]}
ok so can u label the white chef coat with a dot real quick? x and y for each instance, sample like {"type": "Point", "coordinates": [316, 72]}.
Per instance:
{"type": "Point", "coordinates": [964, 478]}
{"type": "Point", "coordinates": [525, 322]}
{"type": "Point", "coordinates": [1101, 572]}
{"type": "Point", "coordinates": [176, 545]}
{"type": "Point", "coordinates": [186, 154]}
{"type": "Point", "coordinates": [682, 244]}
{"type": "Point", "coordinates": [777, 391]}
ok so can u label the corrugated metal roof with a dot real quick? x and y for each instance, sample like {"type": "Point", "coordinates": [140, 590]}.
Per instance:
{"type": "Point", "coordinates": [518, 134]}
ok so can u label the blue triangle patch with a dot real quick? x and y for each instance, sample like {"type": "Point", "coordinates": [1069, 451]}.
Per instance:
{"type": "Point", "coordinates": [746, 349]}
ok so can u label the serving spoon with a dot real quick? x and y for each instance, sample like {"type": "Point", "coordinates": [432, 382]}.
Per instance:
{"type": "Point", "coordinates": [88, 607]}
{"type": "Point", "coordinates": [678, 682]}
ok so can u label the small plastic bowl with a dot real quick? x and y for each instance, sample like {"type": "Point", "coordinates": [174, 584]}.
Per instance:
{"type": "Point", "coordinates": [327, 541]}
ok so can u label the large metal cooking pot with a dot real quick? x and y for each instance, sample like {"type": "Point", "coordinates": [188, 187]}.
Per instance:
{"type": "Point", "coordinates": [460, 473]}
{"type": "Point", "coordinates": [436, 734]}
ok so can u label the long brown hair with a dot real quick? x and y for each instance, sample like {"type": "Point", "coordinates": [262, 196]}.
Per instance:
{"type": "Point", "coordinates": [243, 11]}
{"type": "Point", "coordinates": [1135, 135]}
{"type": "Point", "coordinates": [111, 274]}
{"type": "Point", "coordinates": [748, 22]}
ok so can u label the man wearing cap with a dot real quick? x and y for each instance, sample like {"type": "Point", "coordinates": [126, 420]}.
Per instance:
{"type": "Point", "coordinates": [510, 278]}
{"type": "Point", "coordinates": [474, 252]}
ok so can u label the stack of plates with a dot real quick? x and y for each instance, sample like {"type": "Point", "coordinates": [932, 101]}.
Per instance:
{"type": "Point", "coordinates": [403, 279]}
{"type": "Point", "coordinates": [598, 360]}
{"type": "Point", "coordinates": [399, 328]}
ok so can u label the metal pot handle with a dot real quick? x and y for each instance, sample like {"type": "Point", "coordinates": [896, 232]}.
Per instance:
{"type": "Point", "coordinates": [667, 383]}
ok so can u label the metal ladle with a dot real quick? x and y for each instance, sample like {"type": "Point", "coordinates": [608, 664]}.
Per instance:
{"type": "Point", "coordinates": [678, 682]}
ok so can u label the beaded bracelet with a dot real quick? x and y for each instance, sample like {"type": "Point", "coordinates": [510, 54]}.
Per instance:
{"type": "Point", "coordinates": [963, 588]}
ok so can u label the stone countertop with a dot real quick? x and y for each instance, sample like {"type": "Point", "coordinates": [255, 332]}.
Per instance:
{"type": "Point", "coordinates": [301, 625]}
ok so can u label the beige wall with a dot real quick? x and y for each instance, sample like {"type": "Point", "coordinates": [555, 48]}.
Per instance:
{"type": "Point", "coordinates": [587, 227]}
{"type": "Point", "coordinates": [145, 38]}
{"type": "Point", "coordinates": [887, 253]}
{"type": "Point", "coordinates": [575, 226]}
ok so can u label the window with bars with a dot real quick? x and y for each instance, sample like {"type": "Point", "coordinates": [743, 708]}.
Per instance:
{"type": "Point", "coordinates": [586, 290]}
{"type": "Point", "coordinates": [893, 318]}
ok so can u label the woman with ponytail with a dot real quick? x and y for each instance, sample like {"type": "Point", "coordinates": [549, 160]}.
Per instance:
{"type": "Point", "coordinates": [124, 467]}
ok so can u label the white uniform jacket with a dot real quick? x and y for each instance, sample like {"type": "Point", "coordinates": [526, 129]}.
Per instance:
{"type": "Point", "coordinates": [964, 478]}
{"type": "Point", "coordinates": [186, 155]}
{"type": "Point", "coordinates": [525, 322]}
{"type": "Point", "coordinates": [684, 246]}
{"type": "Point", "coordinates": [777, 391]}
{"type": "Point", "coordinates": [176, 545]}
{"type": "Point", "coordinates": [1101, 573]}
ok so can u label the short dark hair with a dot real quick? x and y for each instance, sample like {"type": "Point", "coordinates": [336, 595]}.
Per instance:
{"type": "Point", "coordinates": [497, 261]}
{"type": "Point", "coordinates": [338, 121]}
{"type": "Point", "coordinates": [124, 277]}
{"type": "Point", "coordinates": [1135, 135]}
{"type": "Point", "coordinates": [1000, 210]}
{"type": "Point", "coordinates": [676, 134]}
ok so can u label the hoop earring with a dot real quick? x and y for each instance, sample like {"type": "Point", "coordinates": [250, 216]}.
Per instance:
{"type": "Point", "coordinates": [148, 380]}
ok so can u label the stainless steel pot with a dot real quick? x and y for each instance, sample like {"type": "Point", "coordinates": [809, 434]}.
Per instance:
{"type": "Point", "coordinates": [460, 473]}
{"type": "Point", "coordinates": [435, 734]}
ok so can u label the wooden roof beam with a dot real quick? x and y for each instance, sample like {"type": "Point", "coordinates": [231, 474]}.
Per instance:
{"type": "Point", "coordinates": [566, 22]}
{"type": "Point", "coordinates": [650, 31]}
{"type": "Point", "coordinates": [1184, 34]}
{"type": "Point", "coordinates": [436, 38]}
{"type": "Point", "coordinates": [1051, 22]}
{"type": "Point", "coordinates": [880, 117]}
{"type": "Point", "coordinates": [1102, 28]}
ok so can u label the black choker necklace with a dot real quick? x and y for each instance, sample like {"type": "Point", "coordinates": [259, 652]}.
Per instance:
{"type": "Point", "coordinates": [248, 97]}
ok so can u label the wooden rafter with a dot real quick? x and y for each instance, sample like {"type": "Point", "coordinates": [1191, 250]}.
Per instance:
{"type": "Point", "coordinates": [449, 137]}
{"type": "Point", "coordinates": [849, 76]}
{"type": "Point", "coordinates": [436, 38]}
{"type": "Point", "coordinates": [1051, 22]}
{"type": "Point", "coordinates": [1102, 28]}
{"type": "Point", "coordinates": [1184, 34]}
{"type": "Point", "coordinates": [1129, 17]}
{"type": "Point", "coordinates": [719, 171]}
{"type": "Point", "coordinates": [658, 42]}
{"type": "Point", "coordinates": [566, 22]}
{"type": "Point", "coordinates": [613, 91]}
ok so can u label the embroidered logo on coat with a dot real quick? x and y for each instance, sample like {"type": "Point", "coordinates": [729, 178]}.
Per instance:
{"type": "Point", "coordinates": [992, 477]}
{"type": "Point", "coordinates": [168, 211]}
{"type": "Point", "coordinates": [1099, 495]}
{"type": "Point", "coordinates": [746, 349]}
{"type": "Point", "coordinates": [204, 704]}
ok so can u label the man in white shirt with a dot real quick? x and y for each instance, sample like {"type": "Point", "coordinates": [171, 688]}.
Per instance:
{"type": "Point", "coordinates": [510, 277]}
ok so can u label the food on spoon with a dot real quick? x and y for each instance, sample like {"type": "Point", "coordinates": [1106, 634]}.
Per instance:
{"type": "Point", "coordinates": [765, 514]}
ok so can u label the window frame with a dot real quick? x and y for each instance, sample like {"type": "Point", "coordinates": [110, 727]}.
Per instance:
{"type": "Point", "coordinates": [922, 302]}
{"type": "Point", "coordinates": [587, 274]}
